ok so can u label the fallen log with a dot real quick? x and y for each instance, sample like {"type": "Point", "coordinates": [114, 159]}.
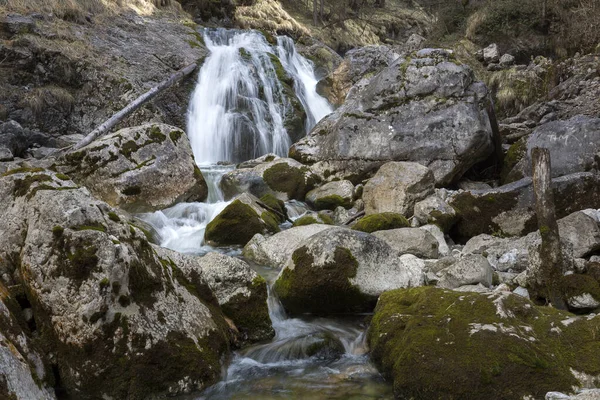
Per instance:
{"type": "Point", "coordinates": [134, 105]}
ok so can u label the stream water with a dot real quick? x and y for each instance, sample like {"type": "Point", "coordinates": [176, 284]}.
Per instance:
{"type": "Point", "coordinates": [239, 100]}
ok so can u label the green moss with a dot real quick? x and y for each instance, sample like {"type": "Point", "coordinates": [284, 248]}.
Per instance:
{"type": "Point", "coordinates": [271, 220]}
{"type": "Point", "coordinates": [436, 343]}
{"type": "Point", "coordinates": [114, 217]}
{"type": "Point", "coordinates": [63, 177]}
{"type": "Point", "coordinates": [83, 262]}
{"type": "Point", "coordinates": [295, 182]}
{"type": "Point", "coordinates": [325, 218]}
{"type": "Point", "coordinates": [104, 283]}
{"type": "Point", "coordinates": [576, 285]}
{"type": "Point", "coordinates": [22, 186]}
{"type": "Point", "coordinates": [22, 170]}
{"type": "Point", "coordinates": [326, 291]}
{"type": "Point", "coordinates": [128, 148]}
{"type": "Point", "coordinates": [305, 220]}
{"type": "Point", "coordinates": [92, 227]}
{"type": "Point", "coordinates": [381, 222]}
{"type": "Point", "coordinates": [155, 134]}
{"type": "Point", "coordinates": [175, 136]}
{"type": "Point", "coordinates": [442, 220]}
{"type": "Point", "coordinates": [143, 284]}
{"type": "Point", "coordinates": [58, 231]}
{"type": "Point", "coordinates": [236, 224]}
{"type": "Point", "coordinates": [124, 301]}
{"type": "Point", "coordinates": [331, 202]}
{"type": "Point", "coordinates": [245, 54]}
{"type": "Point", "coordinates": [131, 191]}
{"type": "Point", "coordinates": [273, 202]}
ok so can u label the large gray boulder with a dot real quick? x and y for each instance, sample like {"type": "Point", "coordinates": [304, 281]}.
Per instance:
{"type": "Point", "coordinates": [100, 295]}
{"type": "Point", "coordinates": [416, 241]}
{"type": "Point", "coordinates": [396, 187]}
{"type": "Point", "coordinates": [144, 168]}
{"type": "Point", "coordinates": [332, 195]}
{"type": "Point", "coordinates": [342, 270]}
{"type": "Point", "coordinates": [274, 251]}
{"type": "Point", "coordinates": [426, 108]}
{"type": "Point", "coordinates": [470, 269]}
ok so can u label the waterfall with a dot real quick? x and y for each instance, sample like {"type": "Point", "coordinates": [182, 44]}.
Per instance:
{"type": "Point", "coordinates": [242, 102]}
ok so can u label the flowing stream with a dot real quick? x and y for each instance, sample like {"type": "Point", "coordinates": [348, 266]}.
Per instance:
{"type": "Point", "coordinates": [238, 112]}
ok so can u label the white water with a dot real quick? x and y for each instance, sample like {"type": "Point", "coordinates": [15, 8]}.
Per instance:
{"type": "Point", "coordinates": [238, 108]}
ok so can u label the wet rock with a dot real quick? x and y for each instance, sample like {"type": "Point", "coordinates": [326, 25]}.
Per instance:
{"type": "Point", "coordinates": [424, 108]}
{"type": "Point", "coordinates": [468, 270]}
{"type": "Point", "coordinates": [141, 169]}
{"type": "Point", "coordinates": [416, 241]}
{"type": "Point", "coordinates": [435, 343]}
{"type": "Point", "coordinates": [284, 178]}
{"type": "Point", "coordinates": [325, 346]}
{"type": "Point", "coordinates": [331, 195]}
{"type": "Point", "coordinates": [380, 222]}
{"type": "Point", "coordinates": [239, 221]}
{"type": "Point", "coordinates": [435, 210]}
{"type": "Point", "coordinates": [341, 270]}
{"type": "Point", "coordinates": [396, 187]}
{"type": "Point", "coordinates": [275, 250]}
{"type": "Point", "coordinates": [101, 296]}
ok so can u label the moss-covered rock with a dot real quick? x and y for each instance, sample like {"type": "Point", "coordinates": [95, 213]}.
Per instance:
{"type": "Point", "coordinates": [581, 292]}
{"type": "Point", "coordinates": [381, 222]}
{"type": "Point", "coordinates": [313, 218]}
{"type": "Point", "coordinates": [275, 204]}
{"type": "Point", "coordinates": [293, 180]}
{"type": "Point", "coordinates": [439, 344]}
{"type": "Point", "coordinates": [332, 195]}
{"type": "Point", "coordinates": [239, 221]}
{"type": "Point", "coordinates": [341, 270]}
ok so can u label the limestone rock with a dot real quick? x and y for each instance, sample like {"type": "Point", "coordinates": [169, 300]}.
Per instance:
{"type": "Point", "coordinates": [424, 108]}
{"type": "Point", "coordinates": [507, 60]}
{"type": "Point", "coordinates": [331, 195]}
{"type": "Point", "coordinates": [341, 270]}
{"type": "Point", "coordinates": [239, 221]}
{"type": "Point", "coordinates": [435, 210]}
{"type": "Point", "coordinates": [275, 250]}
{"type": "Point", "coordinates": [468, 270]}
{"type": "Point", "coordinates": [435, 343]}
{"type": "Point", "coordinates": [380, 222]}
{"type": "Point", "coordinates": [491, 54]}
{"type": "Point", "coordinates": [396, 187]}
{"type": "Point", "coordinates": [144, 168]}
{"type": "Point", "coordinates": [416, 241]}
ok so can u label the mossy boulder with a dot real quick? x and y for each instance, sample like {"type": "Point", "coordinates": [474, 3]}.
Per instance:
{"type": "Point", "coordinates": [332, 195]}
{"type": "Point", "coordinates": [143, 168]}
{"type": "Point", "coordinates": [440, 344]}
{"type": "Point", "coordinates": [435, 210]}
{"type": "Point", "coordinates": [324, 346]}
{"type": "Point", "coordinates": [341, 270]}
{"type": "Point", "coordinates": [381, 222]}
{"type": "Point", "coordinates": [275, 205]}
{"type": "Point", "coordinates": [581, 292]}
{"type": "Point", "coordinates": [239, 221]}
{"type": "Point", "coordinates": [313, 218]}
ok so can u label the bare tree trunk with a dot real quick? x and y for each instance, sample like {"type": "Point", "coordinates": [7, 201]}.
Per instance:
{"type": "Point", "coordinates": [315, 11]}
{"type": "Point", "coordinates": [131, 107]}
{"type": "Point", "coordinates": [321, 7]}
{"type": "Point", "coordinates": [550, 250]}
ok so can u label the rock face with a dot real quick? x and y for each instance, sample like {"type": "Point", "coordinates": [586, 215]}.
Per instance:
{"type": "Point", "coordinates": [284, 178]}
{"type": "Point", "coordinates": [331, 195]}
{"type": "Point", "coordinates": [340, 270]}
{"type": "Point", "coordinates": [424, 108]}
{"type": "Point", "coordinates": [144, 168]}
{"type": "Point", "coordinates": [415, 241]}
{"type": "Point", "coordinates": [436, 343]}
{"type": "Point", "coordinates": [100, 295]}
{"type": "Point", "coordinates": [240, 292]}
{"type": "Point", "coordinates": [509, 209]}
{"type": "Point", "coordinates": [470, 269]}
{"type": "Point", "coordinates": [275, 250]}
{"type": "Point", "coordinates": [239, 221]}
{"type": "Point", "coordinates": [396, 187]}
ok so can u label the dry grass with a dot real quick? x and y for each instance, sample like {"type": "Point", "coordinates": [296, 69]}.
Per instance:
{"type": "Point", "coordinates": [78, 10]}
{"type": "Point", "coordinates": [270, 16]}
{"type": "Point", "coordinates": [48, 97]}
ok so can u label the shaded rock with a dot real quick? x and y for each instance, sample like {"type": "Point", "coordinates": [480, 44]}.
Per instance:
{"type": "Point", "coordinates": [98, 291]}
{"type": "Point", "coordinates": [491, 54]}
{"type": "Point", "coordinates": [6, 154]}
{"type": "Point", "coordinates": [275, 250]}
{"type": "Point", "coordinates": [143, 168]}
{"type": "Point", "coordinates": [437, 233]}
{"type": "Point", "coordinates": [331, 195]}
{"type": "Point", "coordinates": [435, 343]}
{"type": "Point", "coordinates": [18, 140]}
{"type": "Point", "coordinates": [581, 231]}
{"type": "Point", "coordinates": [341, 270]}
{"type": "Point", "coordinates": [284, 178]}
{"type": "Point", "coordinates": [581, 292]}
{"type": "Point", "coordinates": [424, 109]}
{"type": "Point", "coordinates": [435, 210]}
{"type": "Point", "coordinates": [415, 241]}
{"type": "Point", "coordinates": [380, 222]}
{"type": "Point", "coordinates": [396, 187]}
{"type": "Point", "coordinates": [468, 270]}
{"type": "Point", "coordinates": [507, 60]}
{"type": "Point", "coordinates": [239, 221]}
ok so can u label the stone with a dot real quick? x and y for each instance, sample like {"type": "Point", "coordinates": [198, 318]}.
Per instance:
{"type": "Point", "coordinates": [503, 254]}
{"type": "Point", "coordinates": [414, 42]}
{"type": "Point", "coordinates": [396, 187]}
{"type": "Point", "coordinates": [435, 210]}
{"type": "Point", "coordinates": [507, 60]}
{"type": "Point", "coordinates": [6, 154]}
{"type": "Point", "coordinates": [18, 140]}
{"type": "Point", "coordinates": [434, 343]}
{"type": "Point", "coordinates": [94, 282]}
{"type": "Point", "coordinates": [274, 251]}
{"type": "Point", "coordinates": [331, 195]}
{"type": "Point", "coordinates": [426, 108]}
{"type": "Point", "coordinates": [341, 270]}
{"type": "Point", "coordinates": [586, 394]}
{"type": "Point", "coordinates": [521, 291]}
{"type": "Point", "coordinates": [134, 168]}
{"type": "Point", "coordinates": [468, 270]}
{"type": "Point", "coordinates": [380, 222]}
{"type": "Point", "coordinates": [416, 241]}
{"type": "Point", "coordinates": [284, 178]}
{"type": "Point", "coordinates": [509, 210]}
{"type": "Point", "coordinates": [437, 233]}
{"type": "Point", "coordinates": [582, 232]}
{"type": "Point", "coordinates": [240, 221]}
{"type": "Point", "coordinates": [581, 292]}
{"type": "Point", "coordinates": [312, 217]}
{"type": "Point", "coordinates": [491, 54]}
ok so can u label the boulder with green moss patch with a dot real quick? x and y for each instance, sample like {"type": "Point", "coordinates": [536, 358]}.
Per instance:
{"type": "Point", "coordinates": [381, 222]}
{"type": "Point", "coordinates": [312, 217]}
{"type": "Point", "coordinates": [439, 344]}
{"type": "Point", "coordinates": [435, 210]}
{"type": "Point", "coordinates": [341, 270]}
{"type": "Point", "coordinates": [239, 221]}
{"type": "Point", "coordinates": [100, 296]}
{"type": "Point", "coordinates": [332, 195]}
{"type": "Point", "coordinates": [140, 169]}
{"type": "Point", "coordinates": [581, 292]}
